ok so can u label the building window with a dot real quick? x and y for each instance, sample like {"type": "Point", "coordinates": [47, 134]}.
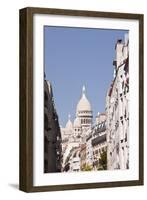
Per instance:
{"type": "Point", "coordinates": [125, 115]}
{"type": "Point", "coordinates": [127, 164]}
{"type": "Point", "coordinates": [126, 137]}
{"type": "Point", "coordinates": [117, 148]}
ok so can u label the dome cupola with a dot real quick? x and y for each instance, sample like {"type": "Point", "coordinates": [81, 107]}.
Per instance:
{"type": "Point", "coordinates": [83, 106]}
{"type": "Point", "coordinates": [69, 124]}
{"type": "Point", "coordinates": [77, 123]}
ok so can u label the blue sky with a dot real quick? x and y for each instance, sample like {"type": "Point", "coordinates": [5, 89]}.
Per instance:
{"type": "Point", "coordinates": [75, 57]}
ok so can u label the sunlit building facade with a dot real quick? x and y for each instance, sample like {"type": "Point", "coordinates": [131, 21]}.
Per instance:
{"type": "Point", "coordinates": [117, 110]}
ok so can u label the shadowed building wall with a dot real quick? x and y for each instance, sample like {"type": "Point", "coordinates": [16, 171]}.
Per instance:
{"type": "Point", "coordinates": [52, 135]}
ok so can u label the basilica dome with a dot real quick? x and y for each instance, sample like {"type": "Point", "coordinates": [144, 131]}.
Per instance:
{"type": "Point", "coordinates": [69, 124]}
{"type": "Point", "coordinates": [77, 122]}
{"type": "Point", "coordinates": [83, 105]}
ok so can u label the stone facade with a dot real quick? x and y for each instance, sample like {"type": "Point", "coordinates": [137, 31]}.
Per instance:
{"type": "Point", "coordinates": [82, 156]}
{"type": "Point", "coordinates": [99, 143]}
{"type": "Point", "coordinates": [117, 110]}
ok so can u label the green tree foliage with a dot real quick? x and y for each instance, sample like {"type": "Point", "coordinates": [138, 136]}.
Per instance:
{"type": "Point", "coordinates": [86, 167]}
{"type": "Point", "coordinates": [103, 161]}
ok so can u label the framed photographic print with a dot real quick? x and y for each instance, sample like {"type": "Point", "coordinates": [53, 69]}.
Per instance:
{"type": "Point", "coordinates": [81, 99]}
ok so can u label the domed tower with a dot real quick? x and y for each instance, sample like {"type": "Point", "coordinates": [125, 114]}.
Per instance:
{"type": "Point", "coordinates": [68, 130]}
{"type": "Point", "coordinates": [77, 127]}
{"type": "Point", "coordinates": [69, 125]}
{"type": "Point", "coordinates": [84, 111]}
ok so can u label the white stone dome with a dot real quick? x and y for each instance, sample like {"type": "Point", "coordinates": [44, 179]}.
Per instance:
{"type": "Point", "coordinates": [69, 124]}
{"type": "Point", "coordinates": [77, 122]}
{"type": "Point", "coordinates": [84, 104]}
